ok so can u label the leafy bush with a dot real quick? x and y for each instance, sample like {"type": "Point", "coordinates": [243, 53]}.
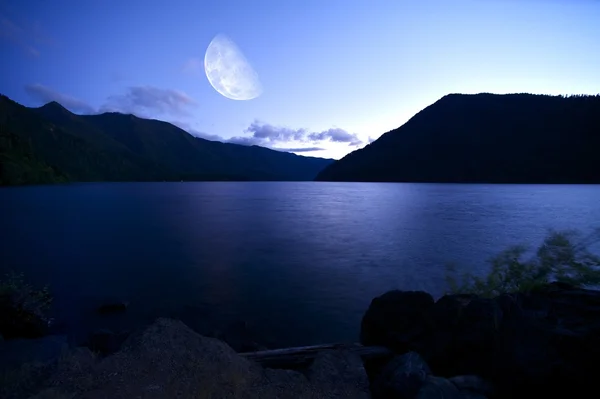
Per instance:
{"type": "Point", "coordinates": [563, 256]}
{"type": "Point", "coordinates": [23, 308]}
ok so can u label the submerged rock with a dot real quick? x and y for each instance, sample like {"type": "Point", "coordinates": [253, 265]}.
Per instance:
{"type": "Point", "coordinates": [112, 307]}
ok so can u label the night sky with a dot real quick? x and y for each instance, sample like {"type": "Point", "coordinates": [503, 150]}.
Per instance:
{"type": "Point", "coordinates": [334, 74]}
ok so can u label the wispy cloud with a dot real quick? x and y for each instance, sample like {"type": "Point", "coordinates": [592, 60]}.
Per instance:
{"type": "Point", "coordinates": [143, 101]}
{"type": "Point", "coordinates": [26, 36]}
{"type": "Point", "coordinates": [44, 94]}
{"type": "Point", "coordinates": [267, 135]}
{"type": "Point", "coordinates": [247, 141]}
{"type": "Point", "coordinates": [195, 132]}
{"type": "Point", "coordinates": [8, 29]}
{"type": "Point", "coordinates": [15, 34]}
{"type": "Point", "coordinates": [307, 149]}
{"type": "Point", "coordinates": [336, 135]}
{"type": "Point", "coordinates": [147, 101]}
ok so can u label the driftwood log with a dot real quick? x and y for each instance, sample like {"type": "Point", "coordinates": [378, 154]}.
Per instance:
{"type": "Point", "coordinates": [300, 356]}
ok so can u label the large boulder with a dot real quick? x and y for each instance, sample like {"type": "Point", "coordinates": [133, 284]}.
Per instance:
{"type": "Point", "coordinates": [472, 385]}
{"type": "Point", "coordinates": [546, 341]}
{"type": "Point", "coordinates": [168, 359]}
{"type": "Point", "coordinates": [465, 346]}
{"type": "Point", "coordinates": [438, 388]}
{"type": "Point", "coordinates": [398, 320]}
{"type": "Point", "coordinates": [73, 368]}
{"type": "Point", "coordinates": [339, 374]}
{"type": "Point", "coordinates": [26, 363]}
{"type": "Point", "coordinates": [524, 358]}
{"type": "Point", "coordinates": [553, 345]}
{"type": "Point", "coordinates": [105, 341]}
{"type": "Point", "coordinates": [402, 377]}
{"type": "Point", "coordinates": [447, 311]}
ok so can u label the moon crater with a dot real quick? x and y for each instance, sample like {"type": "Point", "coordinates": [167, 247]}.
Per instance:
{"type": "Point", "coordinates": [229, 72]}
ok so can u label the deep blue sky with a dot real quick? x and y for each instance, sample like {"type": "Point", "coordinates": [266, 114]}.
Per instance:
{"type": "Point", "coordinates": [346, 70]}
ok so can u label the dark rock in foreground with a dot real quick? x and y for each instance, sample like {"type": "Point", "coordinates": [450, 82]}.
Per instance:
{"type": "Point", "coordinates": [105, 342]}
{"type": "Point", "coordinates": [169, 360]}
{"type": "Point", "coordinates": [545, 342]}
{"type": "Point", "coordinates": [402, 377]}
{"type": "Point", "coordinates": [397, 319]}
{"type": "Point", "coordinates": [15, 352]}
{"type": "Point", "coordinates": [437, 387]}
{"type": "Point", "coordinates": [540, 344]}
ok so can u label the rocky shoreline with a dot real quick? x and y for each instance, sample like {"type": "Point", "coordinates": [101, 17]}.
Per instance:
{"type": "Point", "coordinates": [542, 343]}
{"type": "Point", "coordinates": [539, 344]}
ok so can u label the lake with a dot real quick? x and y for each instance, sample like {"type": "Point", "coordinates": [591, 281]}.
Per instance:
{"type": "Point", "coordinates": [300, 262]}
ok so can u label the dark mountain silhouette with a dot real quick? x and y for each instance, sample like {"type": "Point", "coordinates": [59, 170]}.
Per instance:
{"type": "Point", "coordinates": [18, 164]}
{"type": "Point", "coordinates": [514, 138]}
{"type": "Point", "coordinates": [118, 147]}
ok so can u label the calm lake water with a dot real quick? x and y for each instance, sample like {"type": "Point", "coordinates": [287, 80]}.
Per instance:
{"type": "Point", "coordinates": [300, 262]}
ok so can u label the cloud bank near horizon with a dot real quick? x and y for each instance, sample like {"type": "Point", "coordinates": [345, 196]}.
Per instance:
{"type": "Point", "coordinates": [172, 105]}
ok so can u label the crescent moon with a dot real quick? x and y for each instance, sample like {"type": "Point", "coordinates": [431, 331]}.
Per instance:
{"type": "Point", "coordinates": [229, 72]}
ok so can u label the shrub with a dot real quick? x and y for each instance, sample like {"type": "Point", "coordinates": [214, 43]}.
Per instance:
{"type": "Point", "coordinates": [563, 256]}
